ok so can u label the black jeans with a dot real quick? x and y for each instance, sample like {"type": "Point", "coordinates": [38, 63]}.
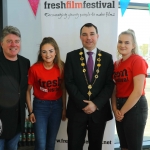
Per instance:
{"type": "Point", "coordinates": [131, 128]}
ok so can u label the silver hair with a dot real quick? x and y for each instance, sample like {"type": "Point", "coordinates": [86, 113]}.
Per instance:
{"type": "Point", "coordinates": [10, 30]}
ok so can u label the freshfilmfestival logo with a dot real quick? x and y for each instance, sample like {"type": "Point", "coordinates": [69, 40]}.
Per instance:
{"type": "Point", "coordinates": [84, 4]}
{"type": "Point", "coordinates": [86, 141]}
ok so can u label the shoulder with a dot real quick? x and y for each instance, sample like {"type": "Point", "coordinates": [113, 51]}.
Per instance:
{"type": "Point", "coordinates": [107, 57]}
{"type": "Point", "coordinates": [138, 61]}
{"type": "Point", "coordinates": [137, 58]}
{"type": "Point", "coordinates": [73, 55]}
{"type": "Point", "coordinates": [35, 69]}
{"type": "Point", "coordinates": [23, 58]}
{"type": "Point", "coordinates": [106, 54]}
{"type": "Point", "coordinates": [36, 65]}
{"type": "Point", "coordinates": [74, 52]}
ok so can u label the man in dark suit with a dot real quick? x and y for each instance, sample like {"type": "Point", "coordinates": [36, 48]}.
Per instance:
{"type": "Point", "coordinates": [88, 79]}
{"type": "Point", "coordinates": [13, 86]}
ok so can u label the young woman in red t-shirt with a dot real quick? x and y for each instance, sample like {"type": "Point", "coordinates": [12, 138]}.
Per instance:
{"type": "Point", "coordinates": [128, 101]}
{"type": "Point", "coordinates": [46, 77]}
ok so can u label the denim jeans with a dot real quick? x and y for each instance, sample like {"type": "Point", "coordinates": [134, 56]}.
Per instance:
{"type": "Point", "coordinates": [48, 115]}
{"type": "Point", "coordinates": [10, 144]}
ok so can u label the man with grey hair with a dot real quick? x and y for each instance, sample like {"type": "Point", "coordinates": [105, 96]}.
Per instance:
{"type": "Point", "coordinates": [13, 86]}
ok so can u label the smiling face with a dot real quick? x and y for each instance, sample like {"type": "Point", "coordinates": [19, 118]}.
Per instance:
{"type": "Point", "coordinates": [125, 45]}
{"type": "Point", "coordinates": [89, 37]}
{"type": "Point", "coordinates": [11, 46]}
{"type": "Point", "coordinates": [48, 53]}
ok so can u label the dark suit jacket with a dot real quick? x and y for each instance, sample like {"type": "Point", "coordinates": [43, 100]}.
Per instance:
{"type": "Point", "coordinates": [10, 94]}
{"type": "Point", "coordinates": [77, 87]}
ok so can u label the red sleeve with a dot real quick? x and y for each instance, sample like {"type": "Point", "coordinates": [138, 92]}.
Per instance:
{"type": "Point", "coordinates": [140, 66]}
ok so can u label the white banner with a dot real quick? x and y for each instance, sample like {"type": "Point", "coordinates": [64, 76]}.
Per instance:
{"type": "Point", "coordinates": [62, 20]}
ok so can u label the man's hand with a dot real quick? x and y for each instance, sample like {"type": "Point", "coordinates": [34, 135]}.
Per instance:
{"type": "Point", "coordinates": [90, 108]}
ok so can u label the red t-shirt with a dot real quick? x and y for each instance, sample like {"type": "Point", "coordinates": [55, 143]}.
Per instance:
{"type": "Point", "coordinates": [46, 83]}
{"type": "Point", "coordinates": [124, 71]}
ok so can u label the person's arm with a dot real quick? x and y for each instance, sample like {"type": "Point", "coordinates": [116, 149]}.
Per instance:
{"type": "Point", "coordinates": [117, 113]}
{"type": "Point", "coordinates": [70, 84]}
{"type": "Point", "coordinates": [28, 101]}
{"type": "Point", "coordinates": [64, 101]}
{"type": "Point", "coordinates": [138, 82]}
{"type": "Point", "coordinates": [113, 100]}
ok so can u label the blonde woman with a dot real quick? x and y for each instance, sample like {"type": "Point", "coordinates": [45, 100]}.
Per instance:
{"type": "Point", "coordinates": [128, 100]}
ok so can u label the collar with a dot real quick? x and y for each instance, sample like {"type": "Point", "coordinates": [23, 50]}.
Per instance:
{"type": "Point", "coordinates": [94, 50]}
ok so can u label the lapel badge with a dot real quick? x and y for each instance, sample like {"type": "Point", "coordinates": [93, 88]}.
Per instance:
{"type": "Point", "coordinates": [82, 64]}
{"type": "Point", "coordinates": [98, 65]}
{"type": "Point", "coordinates": [84, 70]}
{"type": "Point", "coordinates": [81, 58]}
{"type": "Point", "coordinates": [98, 59]}
{"type": "Point", "coordinates": [80, 53]}
{"type": "Point", "coordinates": [97, 70]}
{"type": "Point", "coordinates": [89, 86]}
{"type": "Point", "coordinates": [96, 76]}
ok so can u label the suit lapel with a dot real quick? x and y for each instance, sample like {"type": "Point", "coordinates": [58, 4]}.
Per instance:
{"type": "Point", "coordinates": [84, 61]}
{"type": "Point", "coordinates": [95, 66]}
{"type": "Point", "coordinates": [21, 66]}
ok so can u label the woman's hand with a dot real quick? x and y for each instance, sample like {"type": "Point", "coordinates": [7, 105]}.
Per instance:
{"type": "Point", "coordinates": [118, 115]}
{"type": "Point", "coordinates": [32, 118]}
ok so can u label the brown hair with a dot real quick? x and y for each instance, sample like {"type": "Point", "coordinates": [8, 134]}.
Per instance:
{"type": "Point", "coordinates": [57, 59]}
